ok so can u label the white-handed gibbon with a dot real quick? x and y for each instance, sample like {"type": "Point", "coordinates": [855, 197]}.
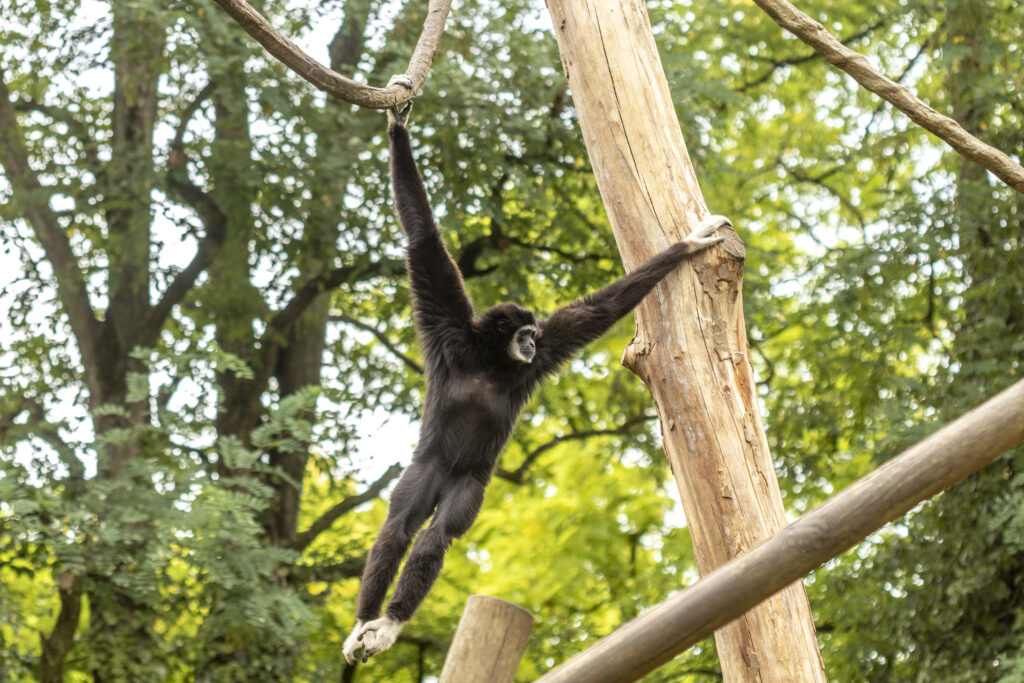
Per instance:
{"type": "Point", "coordinates": [480, 371]}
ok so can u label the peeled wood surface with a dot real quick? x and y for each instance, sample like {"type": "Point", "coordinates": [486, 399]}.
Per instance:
{"type": "Point", "coordinates": [690, 348]}
{"type": "Point", "coordinates": [931, 466]}
{"type": "Point", "coordinates": [489, 642]}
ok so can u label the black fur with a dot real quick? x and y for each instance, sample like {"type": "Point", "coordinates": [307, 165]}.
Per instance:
{"type": "Point", "coordinates": [475, 390]}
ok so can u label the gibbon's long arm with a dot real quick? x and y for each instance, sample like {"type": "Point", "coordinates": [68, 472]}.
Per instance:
{"type": "Point", "coordinates": [572, 327]}
{"type": "Point", "coordinates": [440, 296]}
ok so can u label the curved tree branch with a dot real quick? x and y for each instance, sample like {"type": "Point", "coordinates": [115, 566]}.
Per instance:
{"type": "Point", "coordinates": [214, 221]}
{"type": "Point", "coordinates": [314, 287]}
{"type": "Point", "coordinates": [518, 475]}
{"type": "Point", "coordinates": [325, 520]}
{"type": "Point", "coordinates": [332, 82]}
{"type": "Point", "coordinates": [856, 65]}
{"type": "Point", "coordinates": [33, 200]}
{"type": "Point", "coordinates": [383, 339]}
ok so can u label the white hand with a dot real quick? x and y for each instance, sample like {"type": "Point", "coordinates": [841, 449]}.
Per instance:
{"type": "Point", "coordinates": [701, 238]}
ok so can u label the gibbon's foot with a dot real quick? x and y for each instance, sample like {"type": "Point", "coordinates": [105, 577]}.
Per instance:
{"type": "Point", "coordinates": [701, 238]}
{"type": "Point", "coordinates": [402, 80]}
{"type": "Point", "coordinates": [378, 635]}
{"type": "Point", "coordinates": [399, 116]}
{"type": "Point", "coordinates": [353, 644]}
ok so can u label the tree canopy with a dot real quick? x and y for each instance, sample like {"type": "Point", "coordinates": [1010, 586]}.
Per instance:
{"type": "Point", "coordinates": [207, 320]}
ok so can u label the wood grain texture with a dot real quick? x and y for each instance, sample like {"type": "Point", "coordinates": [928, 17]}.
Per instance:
{"type": "Point", "coordinates": [488, 643]}
{"type": "Point", "coordinates": [922, 471]}
{"type": "Point", "coordinates": [690, 347]}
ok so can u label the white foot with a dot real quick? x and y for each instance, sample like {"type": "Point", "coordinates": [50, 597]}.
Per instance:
{"type": "Point", "coordinates": [378, 635]}
{"type": "Point", "coordinates": [352, 644]}
{"type": "Point", "coordinates": [701, 238]}
{"type": "Point", "coordinates": [402, 80]}
{"type": "Point", "coordinates": [399, 116]}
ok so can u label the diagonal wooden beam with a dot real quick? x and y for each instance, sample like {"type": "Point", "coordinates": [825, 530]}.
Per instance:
{"type": "Point", "coordinates": [933, 465]}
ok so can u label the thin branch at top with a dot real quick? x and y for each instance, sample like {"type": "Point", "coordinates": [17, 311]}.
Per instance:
{"type": "Point", "coordinates": [331, 81]}
{"type": "Point", "coordinates": [775, 65]}
{"type": "Point", "coordinates": [856, 65]}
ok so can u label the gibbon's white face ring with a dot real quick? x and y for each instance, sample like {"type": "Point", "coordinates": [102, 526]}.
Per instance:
{"type": "Point", "coordinates": [523, 346]}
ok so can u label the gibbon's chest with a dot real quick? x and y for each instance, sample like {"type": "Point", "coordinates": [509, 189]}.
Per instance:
{"type": "Point", "coordinates": [479, 394]}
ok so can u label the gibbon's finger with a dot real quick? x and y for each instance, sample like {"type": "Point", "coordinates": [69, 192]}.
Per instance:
{"type": "Point", "coordinates": [710, 225]}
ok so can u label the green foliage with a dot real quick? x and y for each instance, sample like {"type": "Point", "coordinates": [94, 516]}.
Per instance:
{"type": "Point", "coordinates": [883, 295]}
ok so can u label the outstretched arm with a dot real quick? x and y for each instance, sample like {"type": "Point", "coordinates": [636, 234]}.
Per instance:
{"type": "Point", "coordinates": [440, 296]}
{"type": "Point", "coordinates": [572, 327]}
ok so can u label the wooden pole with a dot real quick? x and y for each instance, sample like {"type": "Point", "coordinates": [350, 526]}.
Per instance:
{"type": "Point", "coordinates": [935, 464]}
{"type": "Point", "coordinates": [690, 347]}
{"type": "Point", "coordinates": [489, 642]}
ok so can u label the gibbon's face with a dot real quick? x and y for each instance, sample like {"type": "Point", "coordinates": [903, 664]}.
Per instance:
{"type": "Point", "coordinates": [516, 329]}
{"type": "Point", "coordinates": [523, 346]}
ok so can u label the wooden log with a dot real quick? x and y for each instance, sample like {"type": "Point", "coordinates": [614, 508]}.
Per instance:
{"type": "Point", "coordinates": [933, 465]}
{"type": "Point", "coordinates": [690, 348]}
{"type": "Point", "coordinates": [488, 643]}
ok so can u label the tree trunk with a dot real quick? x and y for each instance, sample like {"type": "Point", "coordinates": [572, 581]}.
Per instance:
{"type": "Point", "coordinates": [690, 348]}
{"type": "Point", "coordinates": [58, 643]}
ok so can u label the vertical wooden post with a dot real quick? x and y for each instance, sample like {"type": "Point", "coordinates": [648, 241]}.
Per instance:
{"type": "Point", "coordinates": [488, 643]}
{"type": "Point", "coordinates": [690, 347]}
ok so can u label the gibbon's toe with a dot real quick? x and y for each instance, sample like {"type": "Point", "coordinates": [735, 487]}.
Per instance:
{"type": "Point", "coordinates": [380, 634]}
{"type": "Point", "coordinates": [353, 644]}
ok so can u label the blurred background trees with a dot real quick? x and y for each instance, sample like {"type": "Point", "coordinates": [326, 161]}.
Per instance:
{"type": "Point", "coordinates": [207, 323]}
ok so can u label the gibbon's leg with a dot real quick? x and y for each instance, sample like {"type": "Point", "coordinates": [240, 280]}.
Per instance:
{"type": "Point", "coordinates": [459, 506]}
{"type": "Point", "coordinates": [412, 501]}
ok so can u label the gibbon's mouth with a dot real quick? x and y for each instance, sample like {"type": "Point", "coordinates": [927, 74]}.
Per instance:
{"type": "Point", "coordinates": [522, 351]}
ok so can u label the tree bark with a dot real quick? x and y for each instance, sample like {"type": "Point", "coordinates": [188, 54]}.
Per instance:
{"type": "Point", "coordinates": [58, 643]}
{"type": "Point", "coordinates": [690, 348]}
